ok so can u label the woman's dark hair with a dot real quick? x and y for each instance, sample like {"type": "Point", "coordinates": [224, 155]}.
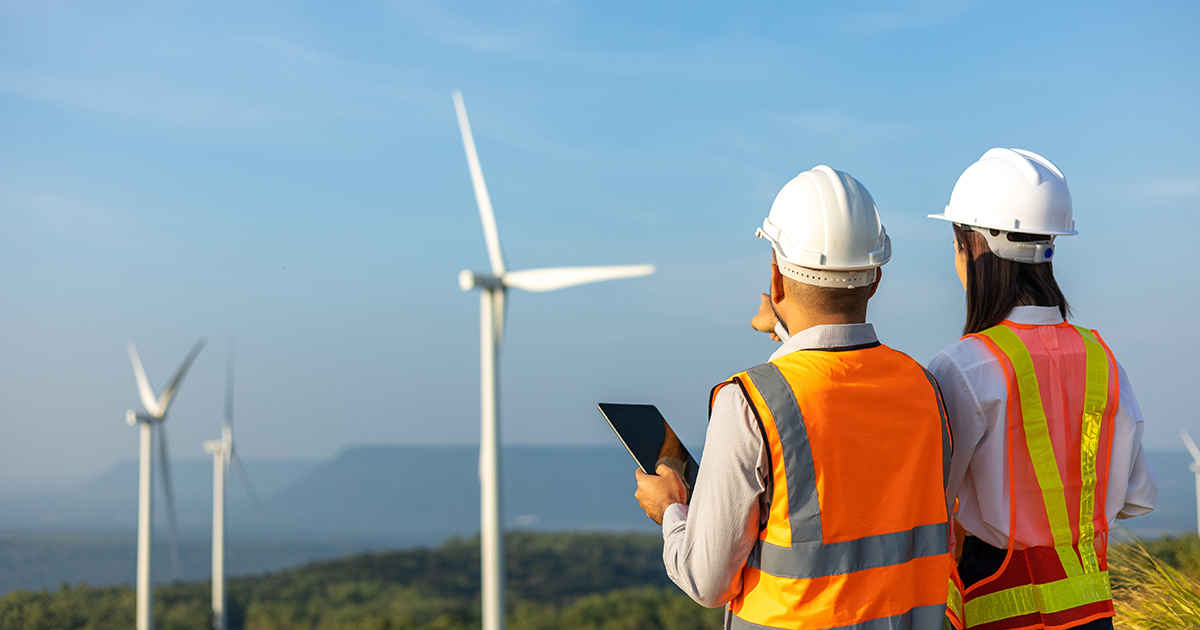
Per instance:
{"type": "Point", "coordinates": [996, 285]}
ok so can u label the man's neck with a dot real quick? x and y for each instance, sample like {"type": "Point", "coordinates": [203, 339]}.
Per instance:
{"type": "Point", "coordinates": [800, 320]}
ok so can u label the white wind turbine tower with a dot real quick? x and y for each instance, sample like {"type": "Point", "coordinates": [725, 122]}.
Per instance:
{"type": "Point", "coordinates": [155, 413]}
{"type": "Point", "coordinates": [492, 289]}
{"type": "Point", "coordinates": [223, 455]}
{"type": "Point", "coordinates": [1195, 467]}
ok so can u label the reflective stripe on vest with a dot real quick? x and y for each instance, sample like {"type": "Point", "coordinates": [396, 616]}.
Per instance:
{"type": "Point", "coordinates": [1094, 402]}
{"type": "Point", "coordinates": [860, 554]}
{"type": "Point", "coordinates": [954, 603]}
{"type": "Point", "coordinates": [803, 504]}
{"type": "Point", "coordinates": [1085, 583]}
{"type": "Point", "coordinates": [1040, 598]}
{"type": "Point", "coordinates": [796, 561]}
{"type": "Point", "coordinates": [919, 618]}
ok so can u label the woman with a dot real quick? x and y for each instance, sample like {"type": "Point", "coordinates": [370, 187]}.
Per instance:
{"type": "Point", "coordinates": [1047, 433]}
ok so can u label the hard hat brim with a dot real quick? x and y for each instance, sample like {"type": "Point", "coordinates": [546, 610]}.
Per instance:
{"type": "Point", "coordinates": [945, 217]}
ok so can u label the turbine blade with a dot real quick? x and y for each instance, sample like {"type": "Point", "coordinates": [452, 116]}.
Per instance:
{"type": "Point", "coordinates": [164, 461]}
{"type": "Point", "coordinates": [145, 392]}
{"type": "Point", "coordinates": [241, 471]}
{"type": "Point", "coordinates": [554, 278]}
{"type": "Point", "coordinates": [1191, 446]}
{"type": "Point", "coordinates": [164, 400]}
{"type": "Point", "coordinates": [228, 428]}
{"type": "Point", "coordinates": [490, 234]}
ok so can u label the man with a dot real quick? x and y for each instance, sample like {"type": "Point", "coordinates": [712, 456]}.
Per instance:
{"type": "Point", "coordinates": [820, 502]}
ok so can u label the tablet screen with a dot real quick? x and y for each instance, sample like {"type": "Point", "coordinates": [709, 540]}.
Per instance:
{"type": "Point", "coordinates": [648, 437]}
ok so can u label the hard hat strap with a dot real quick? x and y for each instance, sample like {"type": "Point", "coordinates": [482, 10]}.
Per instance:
{"type": "Point", "coordinates": [1028, 252]}
{"type": "Point", "coordinates": [839, 279]}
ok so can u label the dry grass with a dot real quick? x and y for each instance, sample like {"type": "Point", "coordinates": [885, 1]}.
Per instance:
{"type": "Point", "coordinates": [1149, 593]}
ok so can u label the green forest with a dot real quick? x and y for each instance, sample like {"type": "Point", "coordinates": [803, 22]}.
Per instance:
{"type": "Point", "coordinates": [578, 580]}
{"type": "Point", "coordinates": [581, 581]}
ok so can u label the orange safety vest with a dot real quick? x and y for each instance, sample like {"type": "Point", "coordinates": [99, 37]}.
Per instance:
{"type": "Point", "coordinates": [1062, 394]}
{"type": "Point", "coordinates": [857, 530]}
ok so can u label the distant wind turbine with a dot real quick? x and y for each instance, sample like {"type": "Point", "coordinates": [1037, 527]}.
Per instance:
{"type": "Point", "coordinates": [224, 455]}
{"type": "Point", "coordinates": [1195, 467]}
{"type": "Point", "coordinates": [492, 291]}
{"type": "Point", "coordinates": [150, 421]}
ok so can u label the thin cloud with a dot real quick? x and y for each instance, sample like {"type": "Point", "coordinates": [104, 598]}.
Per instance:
{"type": "Point", "coordinates": [181, 77]}
{"type": "Point", "coordinates": [442, 26]}
{"type": "Point", "coordinates": [852, 130]}
{"type": "Point", "coordinates": [285, 51]}
{"type": "Point", "coordinates": [898, 16]}
{"type": "Point", "coordinates": [549, 32]}
{"type": "Point", "coordinates": [52, 209]}
{"type": "Point", "coordinates": [1173, 188]}
{"type": "Point", "coordinates": [55, 219]}
{"type": "Point", "coordinates": [159, 103]}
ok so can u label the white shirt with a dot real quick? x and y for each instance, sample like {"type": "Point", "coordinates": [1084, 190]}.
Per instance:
{"type": "Point", "coordinates": [706, 544]}
{"type": "Point", "coordinates": [976, 393]}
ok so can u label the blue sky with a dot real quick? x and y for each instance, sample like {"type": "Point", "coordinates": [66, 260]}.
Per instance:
{"type": "Point", "coordinates": [293, 173]}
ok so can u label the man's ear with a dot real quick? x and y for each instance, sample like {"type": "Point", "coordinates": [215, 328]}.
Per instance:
{"type": "Point", "coordinates": [777, 292]}
{"type": "Point", "coordinates": [875, 285]}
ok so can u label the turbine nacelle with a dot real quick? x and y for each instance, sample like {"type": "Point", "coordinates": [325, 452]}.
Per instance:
{"type": "Point", "coordinates": [469, 280]}
{"type": "Point", "coordinates": [132, 417]}
{"type": "Point", "coordinates": [549, 278]}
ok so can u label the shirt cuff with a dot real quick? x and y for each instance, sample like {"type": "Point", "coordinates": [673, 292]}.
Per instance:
{"type": "Point", "coordinates": [1130, 511]}
{"type": "Point", "coordinates": [674, 517]}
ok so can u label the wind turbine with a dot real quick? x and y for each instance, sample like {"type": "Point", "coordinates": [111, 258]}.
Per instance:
{"type": "Point", "coordinates": [223, 455]}
{"type": "Point", "coordinates": [155, 413]}
{"type": "Point", "coordinates": [493, 288]}
{"type": "Point", "coordinates": [1195, 467]}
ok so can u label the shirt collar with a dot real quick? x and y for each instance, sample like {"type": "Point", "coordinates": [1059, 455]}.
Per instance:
{"type": "Point", "coordinates": [1035, 315]}
{"type": "Point", "coordinates": [828, 336]}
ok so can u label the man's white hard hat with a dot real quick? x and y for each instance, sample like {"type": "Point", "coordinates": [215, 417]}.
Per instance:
{"type": "Point", "coordinates": [1013, 191]}
{"type": "Point", "coordinates": [825, 230]}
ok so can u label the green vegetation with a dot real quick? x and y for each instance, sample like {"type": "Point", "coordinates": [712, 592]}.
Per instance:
{"type": "Point", "coordinates": [1156, 584]}
{"type": "Point", "coordinates": [578, 581]}
{"type": "Point", "coordinates": [586, 581]}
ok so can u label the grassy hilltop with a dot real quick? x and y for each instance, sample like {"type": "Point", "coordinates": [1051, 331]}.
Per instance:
{"type": "Point", "coordinates": [579, 581]}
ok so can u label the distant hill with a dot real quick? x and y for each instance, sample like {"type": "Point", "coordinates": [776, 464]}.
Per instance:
{"type": "Point", "coordinates": [107, 504]}
{"type": "Point", "coordinates": [374, 495]}
{"type": "Point", "coordinates": [369, 497]}
{"type": "Point", "coordinates": [415, 495]}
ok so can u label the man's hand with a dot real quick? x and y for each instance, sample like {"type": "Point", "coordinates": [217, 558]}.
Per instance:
{"type": "Point", "coordinates": [765, 320]}
{"type": "Point", "coordinates": [656, 493]}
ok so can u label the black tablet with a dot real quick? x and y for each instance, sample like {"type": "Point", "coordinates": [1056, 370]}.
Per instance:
{"type": "Point", "coordinates": [648, 437]}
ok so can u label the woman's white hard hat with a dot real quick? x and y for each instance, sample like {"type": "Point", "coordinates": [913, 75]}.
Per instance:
{"type": "Point", "coordinates": [825, 230]}
{"type": "Point", "coordinates": [1013, 191]}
